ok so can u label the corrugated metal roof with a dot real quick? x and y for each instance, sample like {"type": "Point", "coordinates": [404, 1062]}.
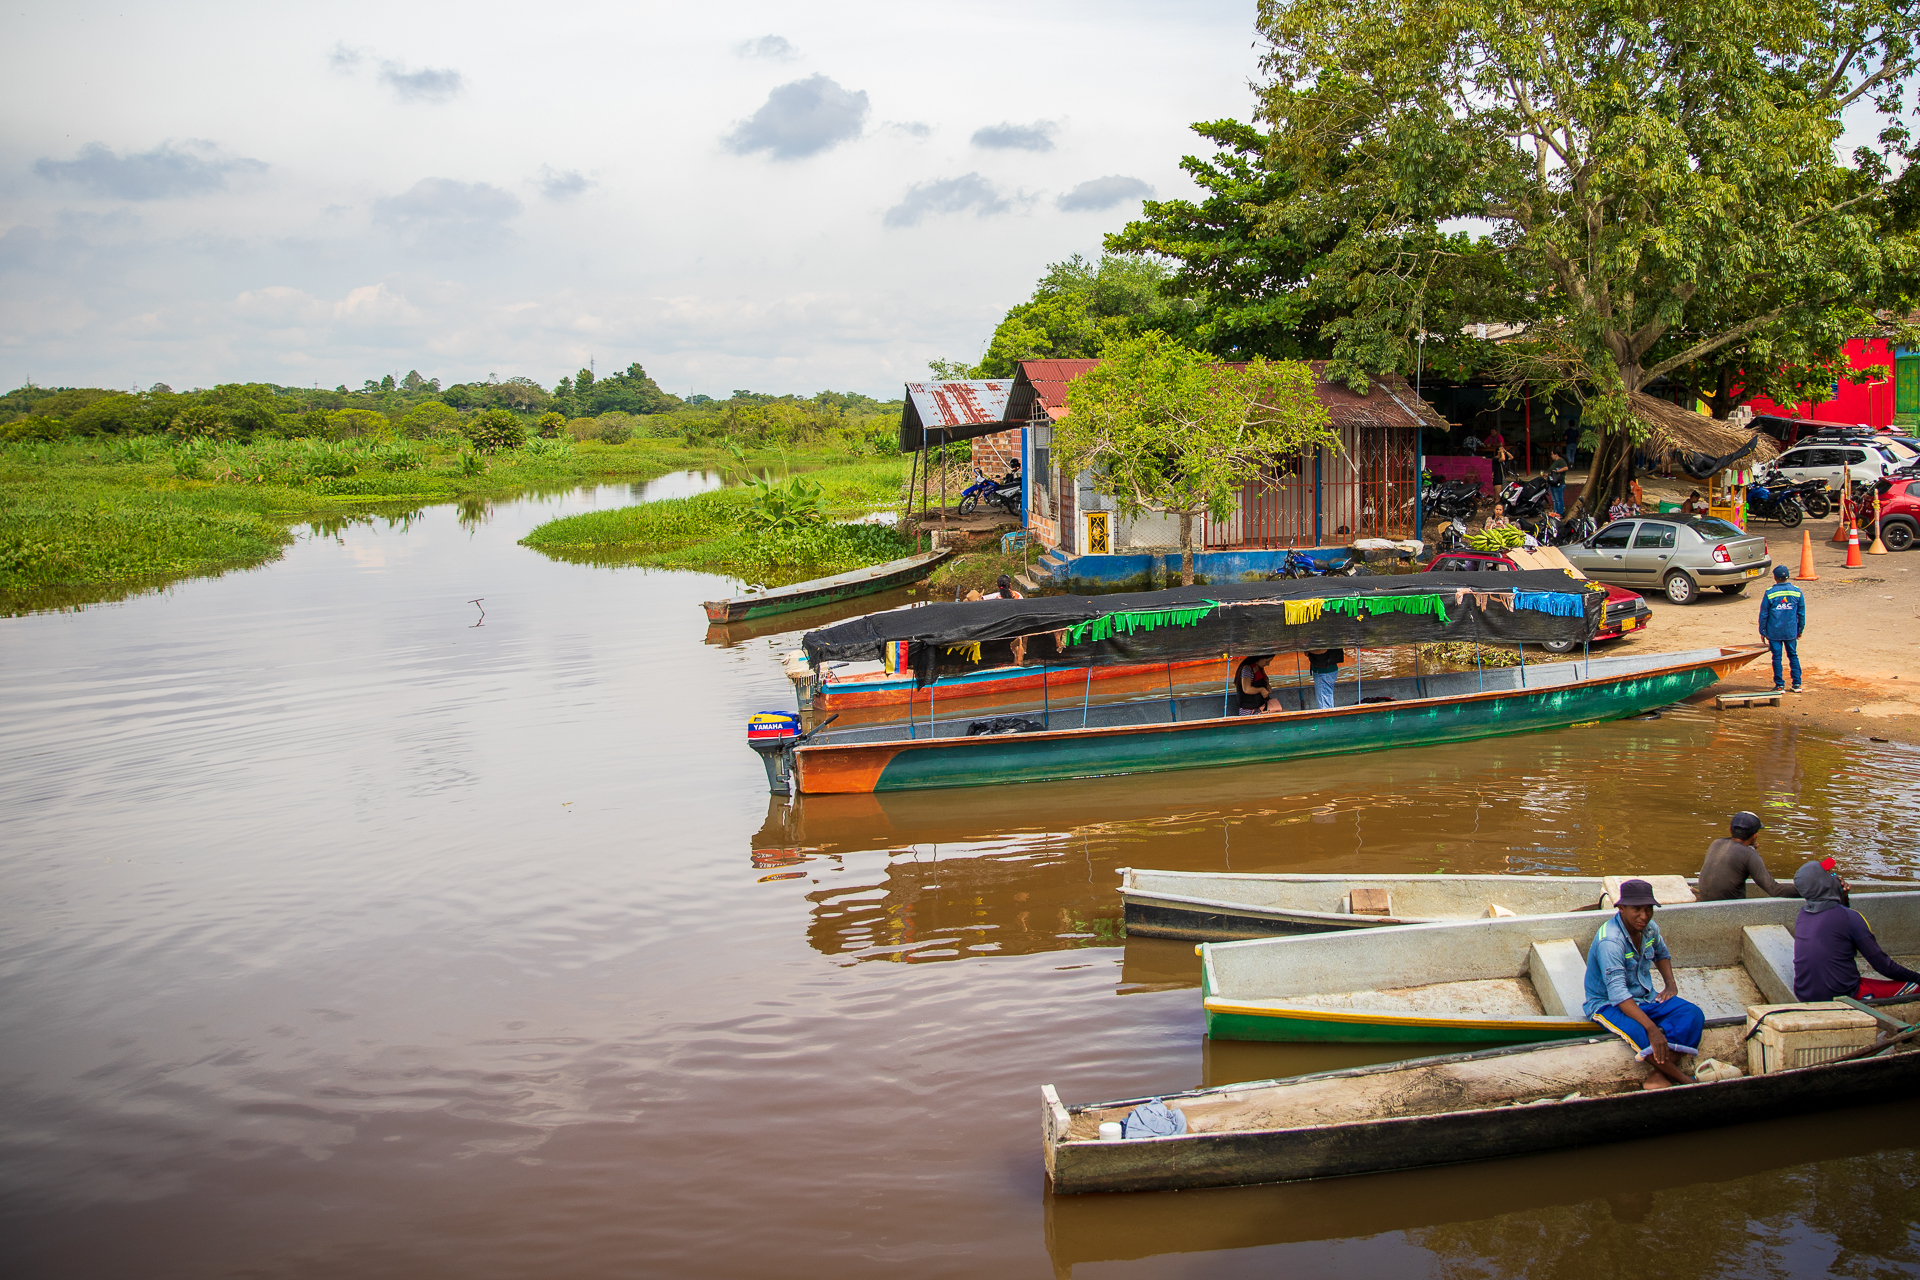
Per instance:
{"type": "Point", "coordinates": [939, 412]}
{"type": "Point", "coordinates": [1045, 381]}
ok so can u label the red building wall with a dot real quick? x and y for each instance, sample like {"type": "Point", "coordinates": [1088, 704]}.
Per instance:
{"type": "Point", "coordinates": [1867, 404]}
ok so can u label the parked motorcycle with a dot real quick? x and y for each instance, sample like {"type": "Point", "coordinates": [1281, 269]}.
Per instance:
{"type": "Point", "coordinates": [1449, 499]}
{"type": "Point", "coordinates": [1299, 564]}
{"type": "Point", "coordinates": [1527, 499]}
{"type": "Point", "coordinates": [1812, 495]}
{"type": "Point", "coordinates": [1003, 493]}
{"type": "Point", "coordinates": [1774, 504]}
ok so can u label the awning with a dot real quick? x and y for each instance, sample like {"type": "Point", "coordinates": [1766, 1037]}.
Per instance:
{"type": "Point", "coordinates": [937, 413]}
{"type": "Point", "coordinates": [1529, 606]}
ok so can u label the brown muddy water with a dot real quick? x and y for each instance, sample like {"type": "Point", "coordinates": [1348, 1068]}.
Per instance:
{"type": "Point", "coordinates": [346, 937]}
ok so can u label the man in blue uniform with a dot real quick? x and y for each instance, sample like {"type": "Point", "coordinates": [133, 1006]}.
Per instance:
{"type": "Point", "coordinates": [1783, 616]}
{"type": "Point", "coordinates": [1620, 994]}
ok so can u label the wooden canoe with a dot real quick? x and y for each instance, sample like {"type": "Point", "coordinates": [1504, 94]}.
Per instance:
{"type": "Point", "coordinates": [818, 591]}
{"type": "Point", "coordinates": [1506, 981]}
{"type": "Point", "coordinates": [1444, 1110]}
{"type": "Point", "coordinates": [1225, 906]}
{"type": "Point", "coordinates": [1191, 732]}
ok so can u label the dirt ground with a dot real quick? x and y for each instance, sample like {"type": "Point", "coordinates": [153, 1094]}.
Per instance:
{"type": "Point", "coordinates": [1861, 651]}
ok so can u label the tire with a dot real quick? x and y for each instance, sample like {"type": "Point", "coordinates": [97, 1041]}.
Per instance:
{"type": "Point", "coordinates": [1896, 535]}
{"type": "Point", "coordinates": [1557, 646]}
{"type": "Point", "coordinates": [1817, 506]}
{"type": "Point", "coordinates": [1788, 514]}
{"type": "Point", "coordinates": [1681, 589]}
{"type": "Point", "coordinates": [1733, 589]}
{"type": "Point", "coordinates": [968, 503]}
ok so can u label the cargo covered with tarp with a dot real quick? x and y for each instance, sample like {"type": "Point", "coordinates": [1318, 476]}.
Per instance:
{"type": "Point", "coordinates": [1511, 608]}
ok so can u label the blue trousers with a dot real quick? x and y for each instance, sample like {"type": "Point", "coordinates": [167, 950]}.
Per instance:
{"type": "Point", "coordinates": [1559, 492]}
{"type": "Point", "coordinates": [1681, 1021]}
{"type": "Point", "coordinates": [1323, 689]}
{"type": "Point", "coordinates": [1793, 656]}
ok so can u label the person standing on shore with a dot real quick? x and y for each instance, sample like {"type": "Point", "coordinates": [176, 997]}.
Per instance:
{"type": "Point", "coordinates": [1783, 618]}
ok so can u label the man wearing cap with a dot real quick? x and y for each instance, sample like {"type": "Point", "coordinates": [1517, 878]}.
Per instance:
{"type": "Point", "coordinates": [1620, 994]}
{"type": "Point", "coordinates": [1825, 937]}
{"type": "Point", "coordinates": [1783, 616]}
{"type": "Point", "coordinates": [1730, 862]}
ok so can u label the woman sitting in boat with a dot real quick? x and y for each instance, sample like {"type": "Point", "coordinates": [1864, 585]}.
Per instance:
{"type": "Point", "coordinates": [1003, 590]}
{"type": "Point", "coordinates": [1620, 994]}
{"type": "Point", "coordinates": [1250, 681]}
{"type": "Point", "coordinates": [1825, 938]}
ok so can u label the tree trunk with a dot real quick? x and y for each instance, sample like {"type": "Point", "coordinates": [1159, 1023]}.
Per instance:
{"type": "Point", "coordinates": [1186, 548]}
{"type": "Point", "coordinates": [1612, 468]}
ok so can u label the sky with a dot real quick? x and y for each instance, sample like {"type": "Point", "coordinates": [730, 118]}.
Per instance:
{"type": "Point", "coordinates": [782, 198]}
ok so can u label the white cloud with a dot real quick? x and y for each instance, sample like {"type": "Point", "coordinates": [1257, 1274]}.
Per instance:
{"type": "Point", "coordinates": [1103, 193]}
{"type": "Point", "coordinates": [562, 184]}
{"type": "Point", "coordinates": [191, 168]}
{"type": "Point", "coordinates": [440, 215]}
{"type": "Point", "coordinates": [775, 48]}
{"type": "Point", "coordinates": [948, 195]}
{"type": "Point", "coordinates": [427, 84]}
{"type": "Point", "coordinates": [1037, 136]}
{"type": "Point", "coordinates": [801, 119]}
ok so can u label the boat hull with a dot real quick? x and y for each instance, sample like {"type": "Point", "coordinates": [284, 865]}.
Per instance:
{"type": "Point", "coordinates": [1314, 1026]}
{"type": "Point", "coordinates": [850, 768]}
{"type": "Point", "coordinates": [1378, 1145]}
{"type": "Point", "coordinates": [821, 591]}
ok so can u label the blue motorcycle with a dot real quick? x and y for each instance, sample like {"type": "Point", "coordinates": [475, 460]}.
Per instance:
{"type": "Point", "coordinates": [1299, 564]}
{"type": "Point", "coordinates": [1774, 504]}
{"type": "Point", "coordinates": [1004, 493]}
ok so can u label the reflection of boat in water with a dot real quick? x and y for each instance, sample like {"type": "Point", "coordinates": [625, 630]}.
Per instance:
{"type": "Point", "coordinates": [1499, 981]}
{"type": "Point", "coordinates": [818, 591]}
{"type": "Point", "coordinates": [1222, 906]}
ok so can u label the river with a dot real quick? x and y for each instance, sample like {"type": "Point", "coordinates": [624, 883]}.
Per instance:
{"type": "Point", "coordinates": [355, 928]}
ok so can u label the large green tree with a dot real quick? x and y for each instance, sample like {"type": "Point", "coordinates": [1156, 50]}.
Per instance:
{"type": "Point", "coordinates": [1660, 180]}
{"type": "Point", "coordinates": [1162, 427]}
{"type": "Point", "coordinates": [1077, 308]}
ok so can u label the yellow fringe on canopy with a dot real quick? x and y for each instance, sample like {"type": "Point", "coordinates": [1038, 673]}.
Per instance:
{"type": "Point", "coordinates": [971, 652]}
{"type": "Point", "coordinates": [1299, 611]}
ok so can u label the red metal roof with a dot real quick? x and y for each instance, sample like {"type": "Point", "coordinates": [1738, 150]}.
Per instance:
{"type": "Point", "coordinates": [941, 412]}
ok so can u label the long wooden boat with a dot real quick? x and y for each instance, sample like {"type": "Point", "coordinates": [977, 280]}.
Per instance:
{"type": "Point", "coordinates": [1194, 731]}
{"type": "Point", "coordinates": [1225, 906]}
{"type": "Point", "coordinates": [866, 690]}
{"type": "Point", "coordinates": [1444, 1110]}
{"type": "Point", "coordinates": [1506, 981]}
{"type": "Point", "coordinates": [818, 591]}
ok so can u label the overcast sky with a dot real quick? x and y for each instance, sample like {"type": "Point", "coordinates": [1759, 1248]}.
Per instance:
{"type": "Point", "coordinates": [780, 197]}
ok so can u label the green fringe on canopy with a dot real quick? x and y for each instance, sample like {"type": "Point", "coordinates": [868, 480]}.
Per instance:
{"type": "Point", "coordinates": [1095, 630]}
{"type": "Point", "coordinates": [1354, 606]}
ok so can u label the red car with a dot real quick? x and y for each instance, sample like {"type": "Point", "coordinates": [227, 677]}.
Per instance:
{"type": "Point", "coordinates": [1899, 501]}
{"type": "Point", "coordinates": [1626, 610]}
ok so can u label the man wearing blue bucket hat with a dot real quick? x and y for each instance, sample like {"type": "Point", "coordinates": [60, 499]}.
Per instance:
{"type": "Point", "coordinates": [1620, 995]}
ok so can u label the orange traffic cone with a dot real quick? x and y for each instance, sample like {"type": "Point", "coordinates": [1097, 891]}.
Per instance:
{"type": "Point", "coordinates": [1878, 548]}
{"type": "Point", "coordinates": [1846, 519]}
{"type": "Point", "coordinates": [1853, 547]}
{"type": "Point", "coordinates": [1806, 559]}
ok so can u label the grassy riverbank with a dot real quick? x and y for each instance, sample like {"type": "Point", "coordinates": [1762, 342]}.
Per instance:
{"type": "Point", "coordinates": [87, 520]}
{"type": "Point", "coordinates": [737, 531]}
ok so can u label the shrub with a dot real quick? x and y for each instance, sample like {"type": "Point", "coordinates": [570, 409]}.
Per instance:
{"type": "Point", "coordinates": [135, 449]}
{"type": "Point", "coordinates": [432, 418]}
{"type": "Point", "coordinates": [542, 447]}
{"type": "Point", "coordinates": [550, 425]}
{"type": "Point", "coordinates": [190, 459]}
{"type": "Point", "coordinates": [353, 424]}
{"type": "Point", "coordinates": [398, 456]}
{"type": "Point", "coordinates": [199, 422]}
{"type": "Point", "coordinates": [793, 503]}
{"type": "Point", "coordinates": [34, 428]}
{"type": "Point", "coordinates": [494, 430]}
{"type": "Point", "coordinates": [615, 427]}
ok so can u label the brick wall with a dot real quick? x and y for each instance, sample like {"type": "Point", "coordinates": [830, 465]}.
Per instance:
{"type": "Point", "coordinates": [995, 453]}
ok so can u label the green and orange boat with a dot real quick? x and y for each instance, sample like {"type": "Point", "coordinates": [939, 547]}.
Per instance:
{"type": "Point", "coordinates": [1147, 734]}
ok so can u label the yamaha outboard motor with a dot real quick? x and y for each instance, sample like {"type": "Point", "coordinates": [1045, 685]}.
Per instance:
{"type": "Point", "coordinates": [772, 734]}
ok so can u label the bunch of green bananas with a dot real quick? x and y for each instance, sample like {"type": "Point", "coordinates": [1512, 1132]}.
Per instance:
{"type": "Point", "coordinates": [1490, 541]}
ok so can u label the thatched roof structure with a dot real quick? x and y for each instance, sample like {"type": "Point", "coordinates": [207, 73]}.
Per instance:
{"type": "Point", "coordinates": [1672, 427]}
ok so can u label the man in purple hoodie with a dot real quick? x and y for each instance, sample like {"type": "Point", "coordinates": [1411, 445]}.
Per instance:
{"type": "Point", "coordinates": [1825, 937]}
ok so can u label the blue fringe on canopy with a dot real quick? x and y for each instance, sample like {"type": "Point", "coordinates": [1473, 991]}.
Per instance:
{"type": "Point", "coordinates": [1555, 602]}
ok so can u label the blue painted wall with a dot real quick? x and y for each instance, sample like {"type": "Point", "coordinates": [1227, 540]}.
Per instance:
{"type": "Point", "coordinates": [1148, 571]}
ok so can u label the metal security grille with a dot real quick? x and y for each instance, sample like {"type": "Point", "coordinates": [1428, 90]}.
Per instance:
{"type": "Point", "coordinates": [1362, 490]}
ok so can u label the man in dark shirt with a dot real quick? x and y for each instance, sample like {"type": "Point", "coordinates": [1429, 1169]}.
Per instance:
{"type": "Point", "coordinates": [1325, 666]}
{"type": "Point", "coordinates": [1730, 862]}
{"type": "Point", "coordinates": [1825, 937]}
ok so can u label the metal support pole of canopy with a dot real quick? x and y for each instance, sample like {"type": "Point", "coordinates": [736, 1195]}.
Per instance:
{"type": "Point", "coordinates": [1173, 713]}
{"type": "Point", "coordinates": [1087, 700]}
{"type": "Point", "coordinates": [1479, 671]}
{"type": "Point", "coordinates": [1523, 663]}
{"type": "Point", "coordinates": [1226, 691]}
{"type": "Point", "coordinates": [1359, 675]}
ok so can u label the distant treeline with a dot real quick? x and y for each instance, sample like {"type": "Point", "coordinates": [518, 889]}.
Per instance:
{"type": "Point", "coordinates": [614, 408]}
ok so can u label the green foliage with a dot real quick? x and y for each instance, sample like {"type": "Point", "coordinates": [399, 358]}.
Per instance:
{"type": "Point", "coordinates": [356, 424]}
{"type": "Point", "coordinates": [793, 503]}
{"type": "Point", "coordinates": [492, 430]}
{"type": "Point", "coordinates": [1162, 427]}
{"type": "Point", "coordinates": [428, 419]}
{"type": "Point", "coordinates": [1077, 309]}
{"type": "Point", "coordinates": [630, 391]}
{"type": "Point", "coordinates": [35, 427]}
{"type": "Point", "coordinates": [614, 427]}
{"type": "Point", "coordinates": [1660, 192]}
{"type": "Point", "coordinates": [550, 425]}
{"type": "Point", "coordinates": [200, 422]}
{"type": "Point", "coordinates": [550, 447]}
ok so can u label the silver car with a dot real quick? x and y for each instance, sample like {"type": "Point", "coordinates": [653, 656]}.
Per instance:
{"type": "Point", "coordinates": [1680, 555]}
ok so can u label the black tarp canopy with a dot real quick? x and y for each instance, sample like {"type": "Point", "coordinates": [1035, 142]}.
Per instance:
{"type": "Point", "coordinates": [1528, 606]}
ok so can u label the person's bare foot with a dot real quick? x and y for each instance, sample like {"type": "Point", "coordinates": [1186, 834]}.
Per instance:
{"type": "Point", "coordinates": [1656, 1081]}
